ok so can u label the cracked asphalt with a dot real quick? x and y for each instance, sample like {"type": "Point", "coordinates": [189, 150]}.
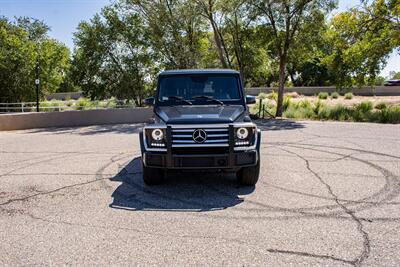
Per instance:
{"type": "Point", "coordinates": [329, 195]}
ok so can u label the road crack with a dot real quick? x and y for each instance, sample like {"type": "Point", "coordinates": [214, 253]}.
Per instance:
{"type": "Point", "coordinates": [366, 241]}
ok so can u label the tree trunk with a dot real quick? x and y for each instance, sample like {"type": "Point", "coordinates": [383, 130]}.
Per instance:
{"type": "Point", "coordinates": [282, 75]}
{"type": "Point", "coordinates": [218, 44]}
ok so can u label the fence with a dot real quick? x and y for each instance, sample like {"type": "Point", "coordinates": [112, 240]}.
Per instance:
{"type": "Point", "coordinates": [69, 105]}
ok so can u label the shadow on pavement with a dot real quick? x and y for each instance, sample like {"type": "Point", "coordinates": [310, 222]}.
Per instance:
{"type": "Point", "coordinates": [276, 125]}
{"type": "Point", "coordinates": [91, 130]}
{"type": "Point", "coordinates": [180, 192]}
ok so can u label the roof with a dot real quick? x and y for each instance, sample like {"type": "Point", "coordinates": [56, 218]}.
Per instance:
{"type": "Point", "coordinates": [199, 71]}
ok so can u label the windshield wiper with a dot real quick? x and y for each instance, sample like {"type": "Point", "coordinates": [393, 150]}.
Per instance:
{"type": "Point", "coordinates": [208, 98]}
{"type": "Point", "coordinates": [179, 98]}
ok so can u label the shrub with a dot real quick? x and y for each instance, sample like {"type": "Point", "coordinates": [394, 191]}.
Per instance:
{"type": "Point", "coordinates": [323, 95]}
{"type": "Point", "coordinates": [262, 96]}
{"type": "Point", "coordinates": [340, 113]}
{"type": "Point", "coordinates": [286, 102]}
{"type": "Point", "coordinates": [348, 96]}
{"type": "Point", "coordinates": [389, 115]}
{"type": "Point", "coordinates": [381, 106]}
{"type": "Point", "coordinates": [299, 113]}
{"type": "Point", "coordinates": [318, 105]}
{"type": "Point", "coordinates": [303, 104]}
{"type": "Point", "coordinates": [365, 106]}
{"type": "Point", "coordinates": [335, 95]}
{"type": "Point", "coordinates": [273, 95]}
{"type": "Point", "coordinates": [81, 103]}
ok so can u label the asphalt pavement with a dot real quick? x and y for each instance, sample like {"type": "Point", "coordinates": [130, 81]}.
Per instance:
{"type": "Point", "coordinates": [328, 195]}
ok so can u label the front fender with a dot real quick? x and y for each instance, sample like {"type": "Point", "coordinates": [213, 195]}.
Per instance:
{"type": "Point", "coordinates": [258, 146]}
{"type": "Point", "coordinates": [141, 142]}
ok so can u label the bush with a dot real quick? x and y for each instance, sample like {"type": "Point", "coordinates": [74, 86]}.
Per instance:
{"type": "Point", "coordinates": [318, 105]}
{"type": "Point", "coordinates": [49, 106]}
{"type": "Point", "coordinates": [365, 106]}
{"type": "Point", "coordinates": [389, 115]}
{"type": "Point", "coordinates": [381, 106]}
{"type": "Point", "coordinates": [340, 113]}
{"type": "Point", "coordinates": [299, 113]}
{"type": "Point", "coordinates": [286, 102]}
{"type": "Point", "coordinates": [82, 103]}
{"type": "Point", "coordinates": [335, 95]}
{"type": "Point", "coordinates": [323, 95]}
{"type": "Point", "coordinates": [348, 96]}
{"type": "Point", "coordinates": [262, 96]}
{"type": "Point", "coordinates": [303, 104]}
{"type": "Point", "coordinates": [273, 95]}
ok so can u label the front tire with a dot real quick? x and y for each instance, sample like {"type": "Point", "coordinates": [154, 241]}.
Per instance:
{"type": "Point", "coordinates": [152, 176]}
{"type": "Point", "coordinates": [249, 175]}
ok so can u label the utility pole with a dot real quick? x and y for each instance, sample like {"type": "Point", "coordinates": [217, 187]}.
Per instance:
{"type": "Point", "coordinates": [37, 83]}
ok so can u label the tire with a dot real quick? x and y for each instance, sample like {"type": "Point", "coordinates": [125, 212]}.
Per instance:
{"type": "Point", "coordinates": [152, 176]}
{"type": "Point", "coordinates": [249, 175]}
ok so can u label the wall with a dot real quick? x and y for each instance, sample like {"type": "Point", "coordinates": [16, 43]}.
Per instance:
{"type": "Point", "coordinates": [19, 121]}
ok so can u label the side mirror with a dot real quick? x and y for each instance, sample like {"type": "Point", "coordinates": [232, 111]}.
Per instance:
{"type": "Point", "coordinates": [250, 99]}
{"type": "Point", "coordinates": [149, 101]}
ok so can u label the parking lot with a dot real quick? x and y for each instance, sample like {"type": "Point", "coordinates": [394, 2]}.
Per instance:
{"type": "Point", "coordinates": [328, 195]}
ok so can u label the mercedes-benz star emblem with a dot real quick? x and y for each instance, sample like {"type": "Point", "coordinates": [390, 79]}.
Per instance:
{"type": "Point", "coordinates": [199, 136]}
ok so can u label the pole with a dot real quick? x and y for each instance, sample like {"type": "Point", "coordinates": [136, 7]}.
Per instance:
{"type": "Point", "coordinates": [37, 83]}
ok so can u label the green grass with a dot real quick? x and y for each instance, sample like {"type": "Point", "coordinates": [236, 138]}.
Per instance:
{"type": "Point", "coordinates": [348, 96]}
{"type": "Point", "coordinates": [323, 95]}
{"type": "Point", "coordinates": [363, 112]}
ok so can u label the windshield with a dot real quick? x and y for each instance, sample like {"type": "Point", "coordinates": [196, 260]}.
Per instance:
{"type": "Point", "coordinates": [202, 88]}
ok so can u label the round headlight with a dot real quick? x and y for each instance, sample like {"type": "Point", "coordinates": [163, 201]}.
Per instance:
{"type": "Point", "coordinates": [242, 133]}
{"type": "Point", "coordinates": [157, 134]}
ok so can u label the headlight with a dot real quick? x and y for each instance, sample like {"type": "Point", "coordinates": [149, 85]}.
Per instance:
{"type": "Point", "coordinates": [242, 133]}
{"type": "Point", "coordinates": [245, 136]}
{"type": "Point", "coordinates": [155, 137]}
{"type": "Point", "coordinates": [157, 134]}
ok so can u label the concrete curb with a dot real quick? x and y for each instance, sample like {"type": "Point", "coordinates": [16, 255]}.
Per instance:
{"type": "Point", "coordinates": [22, 121]}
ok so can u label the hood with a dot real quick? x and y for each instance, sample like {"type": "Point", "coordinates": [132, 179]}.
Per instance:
{"type": "Point", "coordinates": [199, 114]}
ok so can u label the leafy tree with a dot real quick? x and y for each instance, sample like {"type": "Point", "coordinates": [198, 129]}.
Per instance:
{"type": "Point", "coordinates": [174, 30]}
{"type": "Point", "coordinates": [113, 57]}
{"type": "Point", "coordinates": [286, 19]}
{"type": "Point", "coordinates": [394, 75]}
{"type": "Point", "coordinates": [17, 62]}
{"type": "Point", "coordinates": [22, 44]}
{"type": "Point", "coordinates": [360, 45]}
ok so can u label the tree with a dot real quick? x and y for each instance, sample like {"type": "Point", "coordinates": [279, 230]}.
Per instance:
{"type": "Point", "coordinates": [286, 19]}
{"type": "Point", "coordinates": [360, 43]}
{"type": "Point", "coordinates": [113, 57]}
{"type": "Point", "coordinates": [173, 28]}
{"type": "Point", "coordinates": [22, 44]}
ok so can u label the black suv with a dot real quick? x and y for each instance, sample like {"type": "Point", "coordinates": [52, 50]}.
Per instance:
{"type": "Point", "coordinates": [201, 121]}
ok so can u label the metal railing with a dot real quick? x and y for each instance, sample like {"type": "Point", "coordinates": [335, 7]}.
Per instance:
{"type": "Point", "coordinates": [51, 106]}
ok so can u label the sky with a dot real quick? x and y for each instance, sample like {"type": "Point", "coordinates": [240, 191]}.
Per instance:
{"type": "Point", "coordinates": [63, 16]}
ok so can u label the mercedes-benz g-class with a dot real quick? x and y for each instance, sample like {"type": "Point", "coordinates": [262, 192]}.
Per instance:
{"type": "Point", "coordinates": [201, 121]}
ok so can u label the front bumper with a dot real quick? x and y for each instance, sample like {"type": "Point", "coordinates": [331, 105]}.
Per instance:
{"type": "Point", "coordinates": [196, 161]}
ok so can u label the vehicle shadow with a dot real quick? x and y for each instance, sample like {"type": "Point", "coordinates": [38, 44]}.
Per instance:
{"type": "Point", "coordinates": [182, 191]}
{"type": "Point", "coordinates": [91, 130]}
{"type": "Point", "coordinates": [278, 124]}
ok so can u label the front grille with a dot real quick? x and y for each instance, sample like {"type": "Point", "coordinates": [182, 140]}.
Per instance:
{"type": "Point", "coordinates": [217, 137]}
